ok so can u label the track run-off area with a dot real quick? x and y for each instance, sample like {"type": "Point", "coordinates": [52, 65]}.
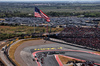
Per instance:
{"type": "Point", "coordinates": [25, 53]}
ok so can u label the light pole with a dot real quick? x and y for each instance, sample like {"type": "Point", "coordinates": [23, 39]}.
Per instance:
{"type": "Point", "coordinates": [50, 30]}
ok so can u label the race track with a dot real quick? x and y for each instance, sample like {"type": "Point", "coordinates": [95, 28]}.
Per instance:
{"type": "Point", "coordinates": [23, 54]}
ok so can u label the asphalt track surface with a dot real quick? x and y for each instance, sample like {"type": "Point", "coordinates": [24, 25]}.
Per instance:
{"type": "Point", "coordinates": [50, 61]}
{"type": "Point", "coordinates": [84, 56]}
{"type": "Point", "coordinates": [23, 54]}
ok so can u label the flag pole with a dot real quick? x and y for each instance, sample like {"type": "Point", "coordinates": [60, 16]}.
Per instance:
{"type": "Point", "coordinates": [34, 26]}
{"type": "Point", "coordinates": [40, 14]}
{"type": "Point", "coordinates": [50, 30]}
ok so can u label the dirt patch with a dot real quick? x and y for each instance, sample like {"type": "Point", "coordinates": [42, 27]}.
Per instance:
{"type": "Point", "coordinates": [97, 52]}
{"type": "Point", "coordinates": [63, 59]}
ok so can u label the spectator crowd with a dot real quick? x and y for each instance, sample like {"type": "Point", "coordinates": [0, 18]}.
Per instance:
{"type": "Point", "coordinates": [89, 37]}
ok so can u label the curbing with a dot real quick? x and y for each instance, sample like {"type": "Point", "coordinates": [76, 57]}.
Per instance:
{"type": "Point", "coordinates": [58, 60]}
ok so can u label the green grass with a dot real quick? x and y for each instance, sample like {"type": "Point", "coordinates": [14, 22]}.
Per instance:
{"type": "Point", "coordinates": [7, 32]}
{"type": "Point", "coordinates": [24, 29]}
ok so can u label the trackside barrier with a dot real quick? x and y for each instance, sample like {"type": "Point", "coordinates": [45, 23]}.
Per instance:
{"type": "Point", "coordinates": [9, 58]}
{"type": "Point", "coordinates": [6, 51]}
{"type": "Point", "coordinates": [64, 42]}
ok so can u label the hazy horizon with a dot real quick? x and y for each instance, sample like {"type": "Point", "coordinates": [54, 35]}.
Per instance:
{"type": "Point", "coordinates": [48, 0]}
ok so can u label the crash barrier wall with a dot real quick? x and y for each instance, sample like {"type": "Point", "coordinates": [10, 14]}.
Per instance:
{"type": "Point", "coordinates": [5, 49]}
{"type": "Point", "coordinates": [74, 44]}
{"type": "Point", "coordinates": [9, 58]}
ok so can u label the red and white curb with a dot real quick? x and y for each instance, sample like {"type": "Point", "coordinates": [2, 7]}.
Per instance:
{"type": "Point", "coordinates": [58, 60]}
{"type": "Point", "coordinates": [38, 63]}
{"type": "Point", "coordinates": [34, 54]}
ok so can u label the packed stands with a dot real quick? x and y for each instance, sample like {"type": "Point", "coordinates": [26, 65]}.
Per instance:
{"type": "Point", "coordinates": [89, 37]}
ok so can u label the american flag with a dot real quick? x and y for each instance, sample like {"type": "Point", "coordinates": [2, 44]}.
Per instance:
{"type": "Point", "coordinates": [40, 14]}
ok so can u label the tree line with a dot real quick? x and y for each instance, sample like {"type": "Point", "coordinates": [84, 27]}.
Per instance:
{"type": "Point", "coordinates": [78, 14]}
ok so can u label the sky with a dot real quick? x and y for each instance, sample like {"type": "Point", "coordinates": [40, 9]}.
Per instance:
{"type": "Point", "coordinates": [50, 0]}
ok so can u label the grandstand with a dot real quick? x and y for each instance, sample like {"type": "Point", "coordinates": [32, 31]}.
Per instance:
{"type": "Point", "coordinates": [89, 37]}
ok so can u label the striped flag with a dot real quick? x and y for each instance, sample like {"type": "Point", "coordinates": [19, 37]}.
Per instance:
{"type": "Point", "coordinates": [40, 14]}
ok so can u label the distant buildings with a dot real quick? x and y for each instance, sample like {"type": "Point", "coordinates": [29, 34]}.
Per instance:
{"type": "Point", "coordinates": [55, 21]}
